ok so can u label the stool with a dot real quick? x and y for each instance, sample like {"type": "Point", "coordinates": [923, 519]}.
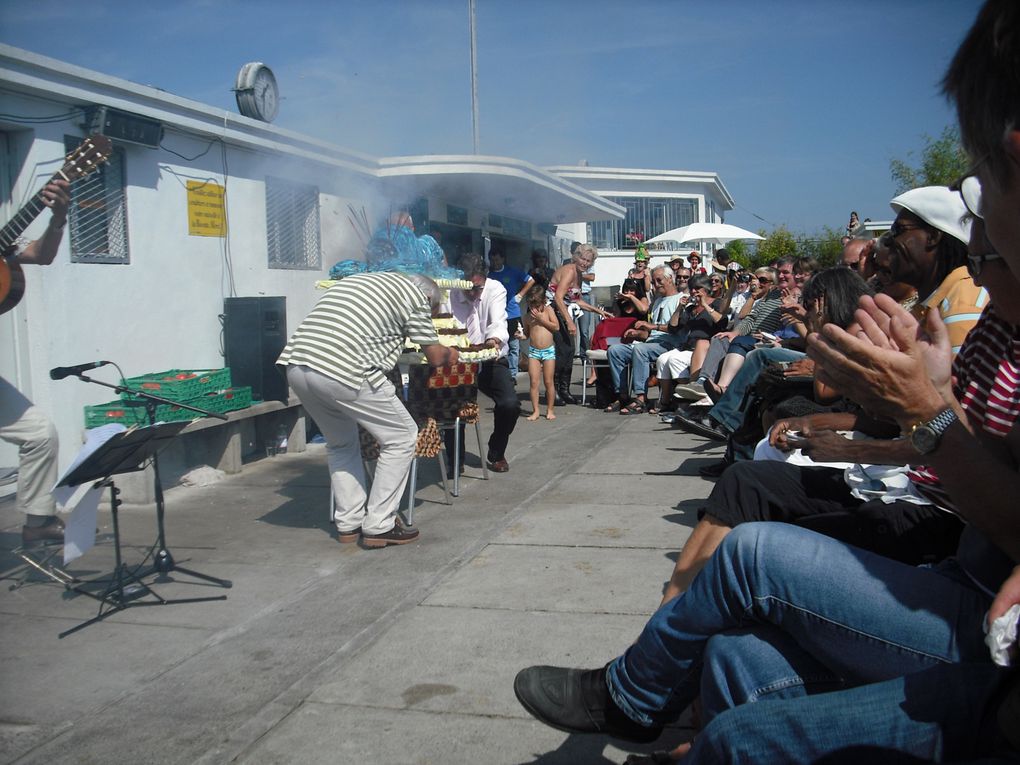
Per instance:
{"type": "Point", "coordinates": [469, 414]}
{"type": "Point", "coordinates": [39, 558]}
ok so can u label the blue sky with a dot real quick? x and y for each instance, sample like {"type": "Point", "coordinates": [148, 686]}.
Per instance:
{"type": "Point", "coordinates": [799, 106]}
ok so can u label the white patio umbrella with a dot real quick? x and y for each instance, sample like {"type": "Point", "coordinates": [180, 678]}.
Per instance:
{"type": "Point", "coordinates": [712, 233]}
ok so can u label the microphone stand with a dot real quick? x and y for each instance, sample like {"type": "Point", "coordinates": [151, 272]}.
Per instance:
{"type": "Point", "coordinates": [162, 560]}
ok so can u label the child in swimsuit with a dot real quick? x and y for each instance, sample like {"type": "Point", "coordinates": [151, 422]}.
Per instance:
{"type": "Point", "coordinates": [539, 324]}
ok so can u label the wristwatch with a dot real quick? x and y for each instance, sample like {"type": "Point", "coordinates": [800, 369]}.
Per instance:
{"type": "Point", "coordinates": [926, 436]}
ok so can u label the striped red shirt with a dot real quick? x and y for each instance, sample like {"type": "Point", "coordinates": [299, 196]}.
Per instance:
{"type": "Point", "coordinates": [986, 382]}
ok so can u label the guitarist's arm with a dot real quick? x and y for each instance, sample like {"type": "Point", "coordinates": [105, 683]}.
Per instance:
{"type": "Point", "coordinates": [43, 250]}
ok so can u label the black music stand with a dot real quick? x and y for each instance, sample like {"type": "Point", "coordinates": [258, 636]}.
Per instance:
{"type": "Point", "coordinates": [125, 452]}
{"type": "Point", "coordinates": [162, 561]}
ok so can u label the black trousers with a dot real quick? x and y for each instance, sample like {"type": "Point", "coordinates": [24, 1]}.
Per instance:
{"type": "Point", "coordinates": [818, 498]}
{"type": "Point", "coordinates": [563, 341]}
{"type": "Point", "coordinates": [496, 382]}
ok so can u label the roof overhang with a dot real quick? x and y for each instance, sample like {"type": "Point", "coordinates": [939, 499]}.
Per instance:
{"type": "Point", "coordinates": [509, 187]}
{"type": "Point", "coordinates": [605, 176]}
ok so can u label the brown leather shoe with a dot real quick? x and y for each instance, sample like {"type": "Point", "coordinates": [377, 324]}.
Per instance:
{"type": "Point", "coordinates": [50, 533]}
{"type": "Point", "coordinates": [499, 466]}
{"type": "Point", "coordinates": [398, 535]}
{"type": "Point", "coordinates": [346, 537]}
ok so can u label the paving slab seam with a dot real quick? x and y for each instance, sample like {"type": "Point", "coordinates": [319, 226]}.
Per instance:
{"type": "Point", "coordinates": [468, 607]}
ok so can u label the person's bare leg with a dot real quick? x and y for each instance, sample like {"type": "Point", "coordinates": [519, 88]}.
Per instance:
{"type": "Point", "coordinates": [730, 366]}
{"type": "Point", "coordinates": [698, 357]}
{"type": "Point", "coordinates": [706, 537]}
{"type": "Point", "coordinates": [549, 370]}
{"type": "Point", "coordinates": [534, 377]}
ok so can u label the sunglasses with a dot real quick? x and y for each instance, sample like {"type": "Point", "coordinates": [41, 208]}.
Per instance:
{"type": "Point", "coordinates": [764, 280]}
{"type": "Point", "coordinates": [901, 228]}
{"type": "Point", "coordinates": [976, 263]}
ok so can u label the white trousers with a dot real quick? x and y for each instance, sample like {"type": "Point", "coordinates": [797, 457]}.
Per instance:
{"type": "Point", "coordinates": [338, 410]}
{"type": "Point", "coordinates": [672, 365]}
{"type": "Point", "coordinates": [28, 427]}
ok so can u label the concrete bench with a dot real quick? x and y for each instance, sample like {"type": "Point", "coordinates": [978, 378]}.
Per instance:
{"type": "Point", "coordinates": [222, 444]}
{"type": "Point", "coordinates": [246, 430]}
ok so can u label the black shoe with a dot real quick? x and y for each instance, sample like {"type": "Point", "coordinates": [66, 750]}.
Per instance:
{"type": "Point", "coordinates": [51, 533]}
{"type": "Point", "coordinates": [714, 470]}
{"type": "Point", "coordinates": [577, 701]}
{"type": "Point", "coordinates": [563, 394]}
{"type": "Point", "coordinates": [702, 425]}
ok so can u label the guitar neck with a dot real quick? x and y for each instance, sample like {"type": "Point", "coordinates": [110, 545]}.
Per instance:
{"type": "Point", "coordinates": [17, 225]}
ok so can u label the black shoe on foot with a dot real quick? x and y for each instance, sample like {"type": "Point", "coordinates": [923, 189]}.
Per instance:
{"type": "Point", "coordinates": [577, 701]}
{"type": "Point", "coordinates": [714, 470]}
{"type": "Point", "coordinates": [702, 425]}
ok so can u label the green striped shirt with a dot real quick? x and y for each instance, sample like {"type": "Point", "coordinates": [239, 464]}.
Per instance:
{"type": "Point", "coordinates": [356, 331]}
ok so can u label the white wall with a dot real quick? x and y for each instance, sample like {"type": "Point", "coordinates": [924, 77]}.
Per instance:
{"type": "Point", "coordinates": [162, 310]}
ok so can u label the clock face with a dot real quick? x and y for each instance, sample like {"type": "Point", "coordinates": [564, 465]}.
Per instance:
{"type": "Point", "coordinates": [266, 99]}
{"type": "Point", "coordinates": [257, 94]}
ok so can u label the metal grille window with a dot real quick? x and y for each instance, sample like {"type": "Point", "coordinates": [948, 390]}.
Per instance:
{"type": "Point", "coordinates": [292, 225]}
{"type": "Point", "coordinates": [97, 218]}
{"type": "Point", "coordinates": [646, 217]}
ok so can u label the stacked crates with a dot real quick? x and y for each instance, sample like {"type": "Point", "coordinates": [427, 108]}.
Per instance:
{"type": "Point", "coordinates": [208, 389]}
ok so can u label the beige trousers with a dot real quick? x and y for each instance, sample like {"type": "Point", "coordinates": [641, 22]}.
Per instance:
{"type": "Point", "coordinates": [338, 410]}
{"type": "Point", "coordinates": [30, 429]}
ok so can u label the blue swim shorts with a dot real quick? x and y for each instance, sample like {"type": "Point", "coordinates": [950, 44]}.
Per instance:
{"type": "Point", "coordinates": [542, 354]}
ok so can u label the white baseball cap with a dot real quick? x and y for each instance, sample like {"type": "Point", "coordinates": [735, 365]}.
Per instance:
{"type": "Point", "coordinates": [938, 207]}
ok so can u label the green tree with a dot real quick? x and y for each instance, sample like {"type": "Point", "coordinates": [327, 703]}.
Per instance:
{"type": "Point", "coordinates": [824, 246]}
{"type": "Point", "coordinates": [778, 244]}
{"type": "Point", "coordinates": [738, 251]}
{"type": "Point", "coordinates": [943, 160]}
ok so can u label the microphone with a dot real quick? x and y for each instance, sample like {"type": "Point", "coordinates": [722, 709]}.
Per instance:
{"type": "Point", "coordinates": [59, 373]}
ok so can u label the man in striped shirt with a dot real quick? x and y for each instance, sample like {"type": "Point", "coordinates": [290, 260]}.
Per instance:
{"type": "Point", "coordinates": [337, 361]}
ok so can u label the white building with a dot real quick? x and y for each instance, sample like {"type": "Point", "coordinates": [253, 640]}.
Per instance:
{"type": "Point", "coordinates": [655, 201]}
{"type": "Point", "coordinates": [150, 252]}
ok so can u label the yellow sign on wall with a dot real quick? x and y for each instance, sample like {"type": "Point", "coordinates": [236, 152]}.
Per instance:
{"type": "Point", "coordinates": [206, 214]}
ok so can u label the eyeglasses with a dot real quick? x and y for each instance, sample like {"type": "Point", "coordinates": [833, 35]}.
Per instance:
{"type": "Point", "coordinates": [682, 277]}
{"type": "Point", "coordinates": [899, 228]}
{"type": "Point", "coordinates": [976, 263]}
{"type": "Point", "coordinates": [715, 281]}
{"type": "Point", "coordinates": [969, 187]}
{"type": "Point", "coordinates": [764, 280]}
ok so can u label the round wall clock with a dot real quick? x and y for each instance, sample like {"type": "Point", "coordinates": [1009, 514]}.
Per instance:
{"type": "Point", "coordinates": [257, 94]}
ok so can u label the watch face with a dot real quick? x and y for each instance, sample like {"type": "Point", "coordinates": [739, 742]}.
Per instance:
{"type": "Point", "coordinates": [924, 439]}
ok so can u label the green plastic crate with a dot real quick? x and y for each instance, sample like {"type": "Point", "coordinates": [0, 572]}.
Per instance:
{"type": "Point", "coordinates": [180, 384]}
{"type": "Point", "coordinates": [132, 413]}
{"type": "Point", "coordinates": [225, 400]}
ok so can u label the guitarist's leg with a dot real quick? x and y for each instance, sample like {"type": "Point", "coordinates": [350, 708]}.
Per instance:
{"type": "Point", "coordinates": [31, 430]}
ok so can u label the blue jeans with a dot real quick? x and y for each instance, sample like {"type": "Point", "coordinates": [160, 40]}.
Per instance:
{"type": "Point", "coordinates": [513, 355]}
{"type": "Point", "coordinates": [862, 617]}
{"type": "Point", "coordinates": [727, 411]}
{"type": "Point", "coordinates": [939, 714]}
{"type": "Point", "coordinates": [639, 357]}
{"type": "Point", "coordinates": [586, 326]}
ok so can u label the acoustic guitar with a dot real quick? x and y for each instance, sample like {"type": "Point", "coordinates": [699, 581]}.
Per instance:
{"type": "Point", "coordinates": [92, 152]}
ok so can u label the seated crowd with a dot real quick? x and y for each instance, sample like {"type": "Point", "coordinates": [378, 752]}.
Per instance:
{"type": "Point", "coordinates": [830, 604]}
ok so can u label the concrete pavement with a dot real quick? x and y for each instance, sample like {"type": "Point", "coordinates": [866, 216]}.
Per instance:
{"type": "Point", "coordinates": [330, 653]}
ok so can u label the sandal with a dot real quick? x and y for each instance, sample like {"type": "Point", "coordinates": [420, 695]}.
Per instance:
{"type": "Point", "coordinates": [634, 407]}
{"type": "Point", "coordinates": [662, 408]}
{"type": "Point", "coordinates": [613, 407]}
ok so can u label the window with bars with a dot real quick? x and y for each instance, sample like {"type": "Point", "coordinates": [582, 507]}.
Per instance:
{"type": "Point", "coordinates": [97, 217]}
{"type": "Point", "coordinates": [292, 225]}
{"type": "Point", "coordinates": [645, 217]}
